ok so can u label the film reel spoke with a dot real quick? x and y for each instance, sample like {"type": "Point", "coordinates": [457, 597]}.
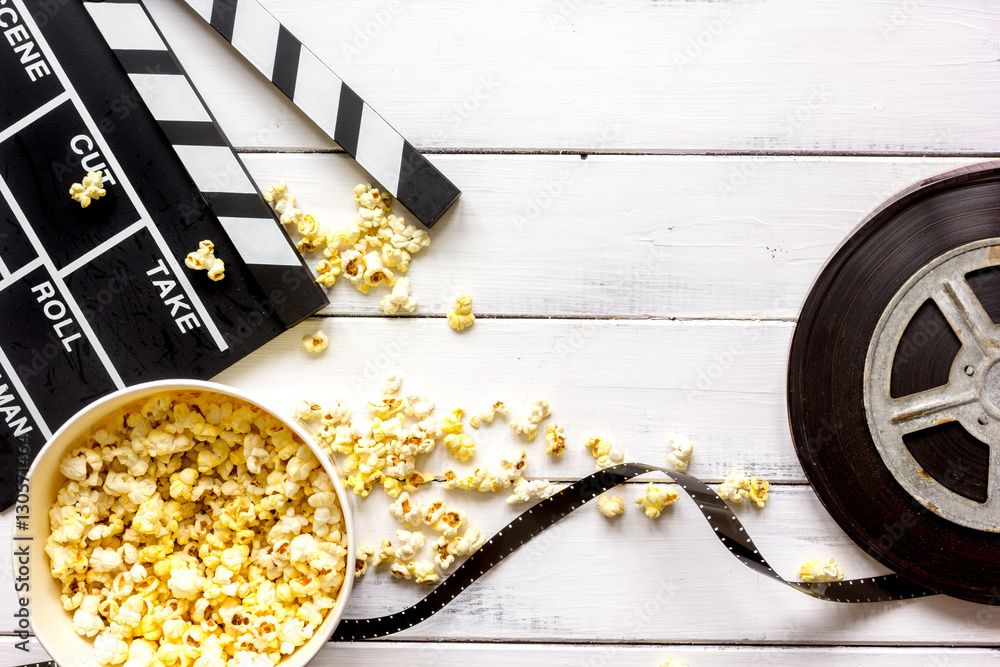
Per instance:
{"type": "Point", "coordinates": [936, 442]}
{"type": "Point", "coordinates": [965, 313]}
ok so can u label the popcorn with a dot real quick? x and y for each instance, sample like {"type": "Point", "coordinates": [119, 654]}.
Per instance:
{"type": "Point", "coordinates": [555, 442]}
{"type": "Point", "coordinates": [681, 455]}
{"type": "Point", "coordinates": [204, 259]}
{"type": "Point", "coordinates": [169, 543]}
{"type": "Point", "coordinates": [460, 316]}
{"type": "Point", "coordinates": [527, 424]}
{"type": "Point", "coordinates": [307, 410]}
{"type": "Point", "coordinates": [327, 271]}
{"type": "Point", "coordinates": [498, 408]}
{"type": "Point", "coordinates": [453, 422]}
{"type": "Point", "coordinates": [400, 571]}
{"type": "Point", "coordinates": [316, 343]}
{"type": "Point", "coordinates": [525, 491]}
{"type": "Point", "coordinates": [109, 649]}
{"type": "Point", "coordinates": [406, 512]}
{"type": "Point", "coordinates": [363, 554]}
{"type": "Point", "coordinates": [610, 506]}
{"type": "Point", "coordinates": [467, 544]}
{"type": "Point", "coordinates": [375, 274]}
{"type": "Point", "coordinates": [816, 571]}
{"type": "Point", "coordinates": [90, 190]}
{"type": "Point", "coordinates": [386, 554]}
{"type": "Point", "coordinates": [461, 446]}
{"type": "Point", "coordinates": [655, 499]}
{"type": "Point", "coordinates": [736, 488]}
{"type": "Point", "coordinates": [417, 407]}
{"type": "Point", "coordinates": [410, 544]}
{"type": "Point", "coordinates": [759, 491]}
{"type": "Point", "coordinates": [284, 203]}
{"type": "Point", "coordinates": [407, 237]}
{"type": "Point", "coordinates": [605, 454]}
{"type": "Point", "coordinates": [86, 621]}
{"type": "Point", "coordinates": [495, 477]}
{"type": "Point", "coordinates": [423, 572]}
{"type": "Point", "coordinates": [670, 662]}
{"type": "Point", "coordinates": [399, 298]}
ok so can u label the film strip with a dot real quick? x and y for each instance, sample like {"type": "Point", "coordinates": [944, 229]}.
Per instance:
{"type": "Point", "coordinates": [207, 155]}
{"type": "Point", "coordinates": [546, 513]}
{"type": "Point", "coordinates": [315, 89]}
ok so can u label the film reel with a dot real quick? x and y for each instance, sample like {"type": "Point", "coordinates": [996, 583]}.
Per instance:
{"type": "Point", "coordinates": [894, 383]}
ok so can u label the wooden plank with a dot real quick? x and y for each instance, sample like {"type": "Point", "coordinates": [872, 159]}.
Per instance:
{"type": "Point", "coordinates": [637, 580]}
{"type": "Point", "coordinates": [675, 76]}
{"type": "Point", "coordinates": [637, 383]}
{"type": "Point", "coordinates": [438, 654]}
{"type": "Point", "coordinates": [613, 236]}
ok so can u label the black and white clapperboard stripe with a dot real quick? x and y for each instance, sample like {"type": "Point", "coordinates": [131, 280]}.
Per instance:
{"type": "Point", "coordinates": [210, 160]}
{"type": "Point", "coordinates": [332, 105]}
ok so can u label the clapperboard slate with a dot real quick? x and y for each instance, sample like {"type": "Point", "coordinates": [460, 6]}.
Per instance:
{"type": "Point", "coordinates": [96, 299]}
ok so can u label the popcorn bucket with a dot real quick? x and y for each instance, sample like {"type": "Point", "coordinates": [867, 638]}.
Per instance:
{"type": "Point", "coordinates": [38, 606]}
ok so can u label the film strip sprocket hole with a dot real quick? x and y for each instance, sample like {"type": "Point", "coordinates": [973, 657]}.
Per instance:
{"type": "Point", "coordinates": [546, 513]}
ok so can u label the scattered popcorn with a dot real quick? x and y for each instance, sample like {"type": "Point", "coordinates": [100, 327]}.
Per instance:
{"type": "Point", "coordinates": [816, 571]}
{"type": "Point", "coordinates": [316, 343]}
{"type": "Point", "coordinates": [399, 298]}
{"type": "Point", "coordinates": [525, 491]}
{"type": "Point", "coordinates": [410, 544]}
{"type": "Point", "coordinates": [417, 407]}
{"type": "Point", "coordinates": [327, 271]}
{"type": "Point", "coordinates": [681, 455]}
{"type": "Point", "coordinates": [204, 259]}
{"type": "Point", "coordinates": [386, 554]}
{"type": "Point", "coordinates": [423, 572]}
{"type": "Point", "coordinates": [195, 529]}
{"type": "Point", "coordinates": [497, 476]}
{"type": "Point", "coordinates": [655, 499]}
{"type": "Point", "coordinates": [670, 662]}
{"type": "Point", "coordinates": [498, 408]}
{"type": "Point", "coordinates": [610, 507]}
{"type": "Point", "coordinates": [307, 409]}
{"type": "Point", "coordinates": [474, 421]}
{"type": "Point", "coordinates": [391, 384]}
{"type": "Point", "coordinates": [453, 422]}
{"type": "Point", "coordinates": [759, 491]}
{"type": "Point", "coordinates": [605, 454]}
{"type": "Point", "coordinates": [736, 488]}
{"type": "Point", "coordinates": [460, 316]}
{"type": "Point", "coordinates": [364, 554]}
{"type": "Point", "coordinates": [461, 446]}
{"type": "Point", "coordinates": [527, 424]}
{"type": "Point", "coordinates": [400, 570]}
{"type": "Point", "coordinates": [90, 190]}
{"type": "Point", "coordinates": [555, 442]}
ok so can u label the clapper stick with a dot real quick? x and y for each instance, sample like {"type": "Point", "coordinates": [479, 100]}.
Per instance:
{"type": "Point", "coordinates": [209, 159]}
{"type": "Point", "coordinates": [332, 105]}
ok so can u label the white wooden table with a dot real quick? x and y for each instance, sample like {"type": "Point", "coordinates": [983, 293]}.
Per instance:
{"type": "Point", "coordinates": [649, 190]}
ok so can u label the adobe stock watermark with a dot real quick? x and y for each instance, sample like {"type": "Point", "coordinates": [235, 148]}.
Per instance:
{"type": "Point", "coordinates": [712, 29]}
{"type": "Point", "coordinates": [553, 188]}
{"type": "Point", "coordinates": [365, 33]}
{"type": "Point", "coordinates": [899, 16]}
{"type": "Point", "coordinates": [787, 127]}
{"type": "Point", "coordinates": [750, 332]}
{"type": "Point", "coordinates": [466, 107]}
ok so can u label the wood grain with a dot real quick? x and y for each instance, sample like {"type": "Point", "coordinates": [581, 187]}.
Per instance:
{"type": "Point", "coordinates": [886, 76]}
{"type": "Point", "coordinates": [617, 236]}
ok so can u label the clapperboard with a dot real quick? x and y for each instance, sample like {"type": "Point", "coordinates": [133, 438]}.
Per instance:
{"type": "Point", "coordinates": [96, 299]}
